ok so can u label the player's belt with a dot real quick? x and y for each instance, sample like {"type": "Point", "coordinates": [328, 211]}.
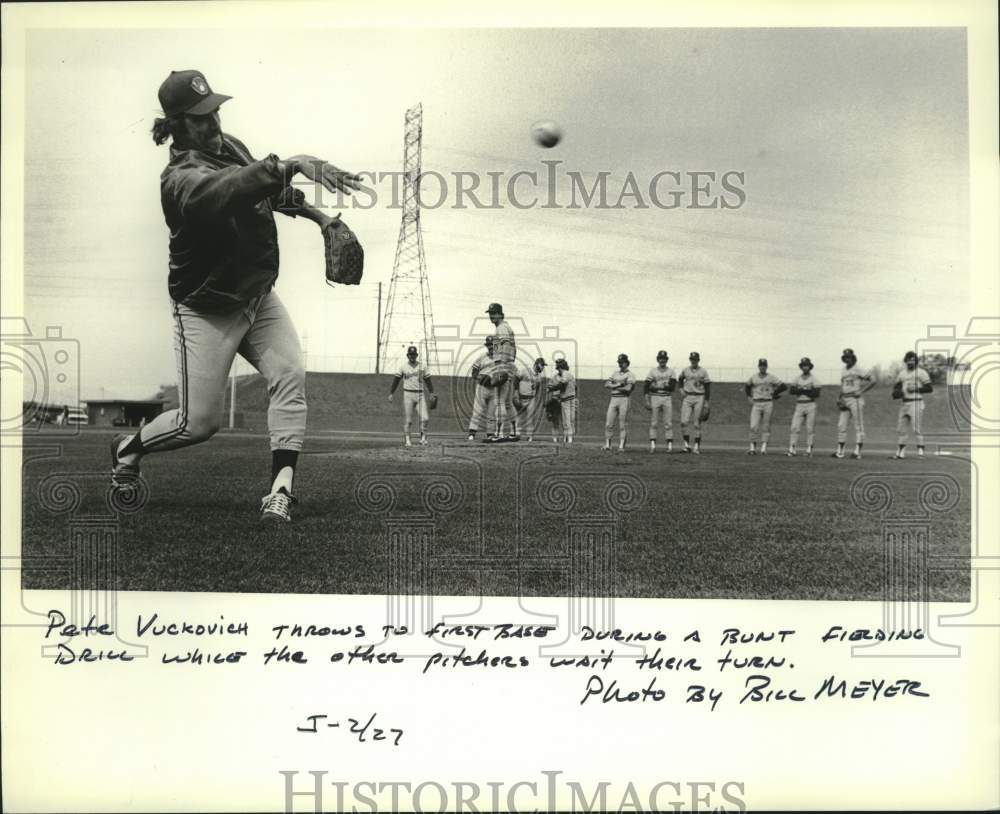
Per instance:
{"type": "Point", "coordinates": [850, 395]}
{"type": "Point", "coordinates": [619, 395]}
{"type": "Point", "coordinates": [806, 401]}
{"type": "Point", "coordinates": [567, 398]}
{"type": "Point", "coordinates": [408, 390]}
{"type": "Point", "coordinates": [908, 401]}
{"type": "Point", "coordinates": [763, 399]}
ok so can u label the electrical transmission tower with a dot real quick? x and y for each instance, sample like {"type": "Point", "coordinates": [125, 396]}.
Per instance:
{"type": "Point", "coordinates": [408, 316]}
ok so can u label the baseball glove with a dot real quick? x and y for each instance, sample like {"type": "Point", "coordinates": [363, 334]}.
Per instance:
{"type": "Point", "coordinates": [897, 390]}
{"type": "Point", "coordinates": [842, 405]}
{"type": "Point", "coordinates": [345, 259]}
{"type": "Point", "coordinates": [485, 380]}
{"type": "Point", "coordinates": [432, 401]}
{"type": "Point", "coordinates": [705, 413]}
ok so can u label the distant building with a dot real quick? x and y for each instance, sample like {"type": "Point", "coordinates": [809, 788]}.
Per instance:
{"type": "Point", "coordinates": [122, 412]}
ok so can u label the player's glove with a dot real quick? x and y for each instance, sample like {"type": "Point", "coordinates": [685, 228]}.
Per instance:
{"type": "Point", "coordinates": [794, 390]}
{"type": "Point", "coordinates": [705, 412]}
{"type": "Point", "coordinates": [842, 405]}
{"type": "Point", "coordinates": [432, 401]}
{"type": "Point", "coordinates": [897, 390]}
{"type": "Point", "coordinates": [345, 259]}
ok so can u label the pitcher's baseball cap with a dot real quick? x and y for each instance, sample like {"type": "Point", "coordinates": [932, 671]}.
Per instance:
{"type": "Point", "coordinates": [188, 92]}
{"type": "Point", "coordinates": [662, 355]}
{"type": "Point", "coordinates": [694, 355]}
{"type": "Point", "coordinates": [761, 361]}
{"type": "Point", "coordinates": [849, 352]}
{"type": "Point", "coordinates": [494, 308]}
{"type": "Point", "coordinates": [412, 349]}
{"type": "Point", "coordinates": [623, 357]}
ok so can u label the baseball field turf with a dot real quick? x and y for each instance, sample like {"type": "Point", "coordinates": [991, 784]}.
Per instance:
{"type": "Point", "coordinates": [506, 519]}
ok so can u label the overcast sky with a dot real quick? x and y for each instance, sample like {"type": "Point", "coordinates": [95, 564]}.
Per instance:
{"type": "Point", "coordinates": [853, 144]}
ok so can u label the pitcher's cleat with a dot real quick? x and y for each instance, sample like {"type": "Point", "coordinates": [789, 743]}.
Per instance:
{"type": "Point", "coordinates": [277, 507]}
{"type": "Point", "coordinates": [123, 476]}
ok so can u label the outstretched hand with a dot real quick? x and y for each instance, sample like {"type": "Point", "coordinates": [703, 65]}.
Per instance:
{"type": "Point", "coordinates": [323, 172]}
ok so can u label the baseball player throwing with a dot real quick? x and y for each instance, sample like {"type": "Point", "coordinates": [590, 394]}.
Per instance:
{"type": "Point", "coordinates": [854, 383]}
{"type": "Point", "coordinates": [761, 389]}
{"type": "Point", "coordinates": [697, 387]}
{"type": "Point", "coordinates": [661, 381]}
{"type": "Point", "coordinates": [415, 378]}
{"type": "Point", "coordinates": [806, 390]}
{"type": "Point", "coordinates": [912, 383]}
{"type": "Point", "coordinates": [621, 383]}
{"type": "Point", "coordinates": [219, 204]}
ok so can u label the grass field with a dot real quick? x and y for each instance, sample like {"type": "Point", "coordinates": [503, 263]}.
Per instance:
{"type": "Point", "coordinates": [719, 525]}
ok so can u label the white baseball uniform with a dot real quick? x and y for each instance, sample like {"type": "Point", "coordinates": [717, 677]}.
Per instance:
{"type": "Point", "coordinates": [805, 411]}
{"type": "Point", "coordinates": [762, 395]}
{"type": "Point", "coordinates": [911, 411]}
{"type": "Point", "coordinates": [659, 400]}
{"type": "Point", "coordinates": [852, 381]}
{"type": "Point", "coordinates": [694, 381]}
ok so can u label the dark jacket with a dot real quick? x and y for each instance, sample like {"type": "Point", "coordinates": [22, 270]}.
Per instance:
{"type": "Point", "coordinates": [219, 208]}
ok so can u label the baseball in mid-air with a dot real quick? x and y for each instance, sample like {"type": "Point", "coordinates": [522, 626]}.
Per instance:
{"type": "Point", "coordinates": [546, 133]}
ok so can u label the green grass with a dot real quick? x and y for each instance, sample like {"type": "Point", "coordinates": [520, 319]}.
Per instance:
{"type": "Point", "coordinates": [720, 525]}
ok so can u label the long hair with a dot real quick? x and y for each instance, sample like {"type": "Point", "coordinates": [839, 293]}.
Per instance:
{"type": "Point", "coordinates": [166, 127]}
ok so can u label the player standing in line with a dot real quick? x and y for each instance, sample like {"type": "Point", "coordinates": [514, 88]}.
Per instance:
{"type": "Point", "coordinates": [414, 377]}
{"type": "Point", "coordinates": [854, 383]}
{"type": "Point", "coordinates": [911, 384]}
{"type": "Point", "coordinates": [531, 391]}
{"type": "Point", "coordinates": [484, 407]}
{"type": "Point", "coordinates": [806, 390]}
{"type": "Point", "coordinates": [563, 385]}
{"type": "Point", "coordinates": [761, 389]}
{"type": "Point", "coordinates": [219, 204]}
{"type": "Point", "coordinates": [505, 352]}
{"type": "Point", "coordinates": [621, 383]}
{"type": "Point", "coordinates": [697, 386]}
{"type": "Point", "coordinates": [660, 383]}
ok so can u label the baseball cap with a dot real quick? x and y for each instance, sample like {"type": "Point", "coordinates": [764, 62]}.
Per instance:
{"type": "Point", "coordinates": [805, 361]}
{"type": "Point", "coordinates": [694, 355]}
{"type": "Point", "coordinates": [848, 352]}
{"type": "Point", "coordinates": [622, 357]}
{"type": "Point", "coordinates": [910, 355]}
{"type": "Point", "coordinates": [662, 355]}
{"type": "Point", "coordinates": [188, 92]}
{"type": "Point", "coordinates": [761, 361]}
{"type": "Point", "coordinates": [541, 361]}
{"type": "Point", "coordinates": [411, 349]}
{"type": "Point", "coordinates": [494, 308]}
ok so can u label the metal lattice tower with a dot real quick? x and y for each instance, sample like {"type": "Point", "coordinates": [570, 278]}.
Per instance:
{"type": "Point", "coordinates": [408, 315]}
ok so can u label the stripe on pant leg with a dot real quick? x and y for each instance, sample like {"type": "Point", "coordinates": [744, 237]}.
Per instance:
{"type": "Point", "coordinates": [183, 407]}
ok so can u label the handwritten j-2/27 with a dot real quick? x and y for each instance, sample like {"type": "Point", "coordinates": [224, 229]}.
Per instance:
{"type": "Point", "coordinates": [365, 732]}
